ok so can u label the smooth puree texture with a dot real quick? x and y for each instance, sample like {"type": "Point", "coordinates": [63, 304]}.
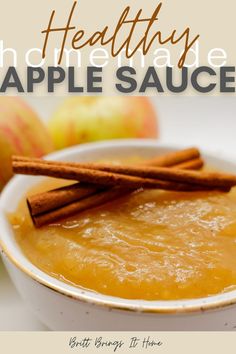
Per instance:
{"type": "Point", "coordinates": [149, 245]}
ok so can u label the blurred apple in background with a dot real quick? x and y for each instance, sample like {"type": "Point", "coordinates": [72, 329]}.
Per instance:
{"type": "Point", "coordinates": [21, 133]}
{"type": "Point", "coordinates": [84, 119]}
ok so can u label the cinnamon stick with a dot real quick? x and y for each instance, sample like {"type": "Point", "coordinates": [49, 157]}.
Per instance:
{"type": "Point", "coordinates": [42, 202]}
{"type": "Point", "coordinates": [169, 159]}
{"type": "Point", "coordinates": [127, 176]}
{"type": "Point", "coordinates": [60, 211]}
{"type": "Point", "coordinates": [78, 206]}
{"type": "Point", "coordinates": [105, 178]}
{"type": "Point", "coordinates": [48, 207]}
{"type": "Point", "coordinates": [56, 198]}
{"type": "Point", "coordinates": [195, 164]}
{"type": "Point", "coordinates": [174, 158]}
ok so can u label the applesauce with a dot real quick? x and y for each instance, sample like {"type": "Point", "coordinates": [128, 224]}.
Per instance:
{"type": "Point", "coordinates": [151, 245]}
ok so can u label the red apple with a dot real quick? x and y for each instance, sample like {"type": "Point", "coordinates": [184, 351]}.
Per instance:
{"type": "Point", "coordinates": [84, 119]}
{"type": "Point", "coordinates": [21, 133]}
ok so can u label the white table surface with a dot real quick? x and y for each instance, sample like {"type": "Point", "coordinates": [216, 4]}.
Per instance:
{"type": "Point", "coordinates": [207, 122]}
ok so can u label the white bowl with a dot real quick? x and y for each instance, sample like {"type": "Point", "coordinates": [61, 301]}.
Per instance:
{"type": "Point", "coordinates": [64, 307]}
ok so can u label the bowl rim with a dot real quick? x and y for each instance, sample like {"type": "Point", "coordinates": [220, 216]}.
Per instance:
{"type": "Point", "coordinates": [15, 254]}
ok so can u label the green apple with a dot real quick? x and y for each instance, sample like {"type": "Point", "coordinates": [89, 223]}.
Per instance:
{"type": "Point", "coordinates": [84, 119]}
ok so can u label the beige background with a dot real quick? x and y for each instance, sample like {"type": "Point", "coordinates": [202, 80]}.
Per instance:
{"type": "Point", "coordinates": [173, 342]}
{"type": "Point", "coordinates": [21, 24]}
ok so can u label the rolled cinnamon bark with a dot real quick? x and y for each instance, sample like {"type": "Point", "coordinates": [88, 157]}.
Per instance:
{"type": "Point", "coordinates": [195, 164]}
{"type": "Point", "coordinates": [174, 158]}
{"type": "Point", "coordinates": [42, 202]}
{"type": "Point", "coordinates": [128, 176]}
{"type": "Point", "coordinates": [56, 198]}
{"type": "Point", "coordinates": [166, 160]}
{"type": "Point", "coordinates": [61, 203]}
{"type": "Point", "coordinates": [105, 178]}
{"type": "Point", "coordinates": [92, 201]}
{"type": "Point", "coordinates": [48, 201]}
{"type": "Point", "coordinates": [71, 209]}
{"type": "Point", "coordinates": [192, 164]}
